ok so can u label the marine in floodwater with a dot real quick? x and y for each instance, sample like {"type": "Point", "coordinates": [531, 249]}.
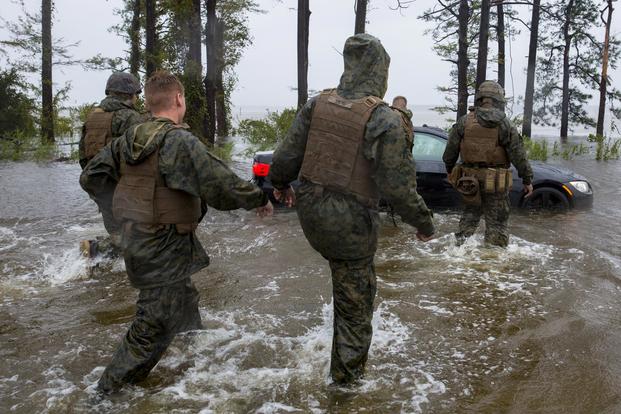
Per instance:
{"type": "Point", "coordinates": [400, 105]}
{"type": "Point", "coordinates": [108, 120]}
{"type": "Point", "coordinates": [157, 180]}
{"type": "Point", "coordinates": [349, 149]}
{"type": "Point", "coordinates": [488, 144]}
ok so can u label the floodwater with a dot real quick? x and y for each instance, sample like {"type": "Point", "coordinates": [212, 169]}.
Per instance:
{"type": "Point", "coordinates": [535, 328]}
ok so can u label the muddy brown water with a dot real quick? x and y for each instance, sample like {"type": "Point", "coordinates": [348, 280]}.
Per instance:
{"type": "Point", "coordinates": [535, 328]}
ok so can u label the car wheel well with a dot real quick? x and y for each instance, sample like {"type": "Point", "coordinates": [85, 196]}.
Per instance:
{"type": "Point", "coordinates": [555, 189]}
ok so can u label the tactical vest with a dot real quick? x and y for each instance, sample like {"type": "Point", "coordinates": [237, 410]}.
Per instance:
{"type": "Point", "coordinates": [141, 196]}
{"type": "Point", "coordinates": [98, 131]}
{"type": "Point", "coordinates": [480, 145]}
{"type": "Point", "coordinates": [334, 158]}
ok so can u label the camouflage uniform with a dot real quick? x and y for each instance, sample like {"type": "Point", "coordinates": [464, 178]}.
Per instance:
{"type": "Point", "coordinates": [125, 115]}
{"type": "Point", "coordinates": [494, 206]}
{"type": "Point", "coordinates": [160, 260]}
{"type": "Point", "coordinates": [336, 224]}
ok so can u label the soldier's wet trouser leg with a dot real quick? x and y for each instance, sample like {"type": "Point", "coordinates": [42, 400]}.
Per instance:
{"type": "Point", "coordinates": [160, 314]}
{"type": "Point", "coordinates": [468, 223]}
{"type": "Point", "coordinates": [496, 212]}
{"type": "Point", "coordinates": [354, 288]}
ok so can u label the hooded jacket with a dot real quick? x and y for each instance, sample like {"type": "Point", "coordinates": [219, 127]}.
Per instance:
{"type": "Point", "coordinates": [158, 255]}
{"type": "Point", "coordinates": [509, 139]}
{"type": "Point", "coordinates": [385, 144]}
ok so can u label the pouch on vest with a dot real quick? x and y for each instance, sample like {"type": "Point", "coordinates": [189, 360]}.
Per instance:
{"type": "Point", "coordinates": [468, 187]}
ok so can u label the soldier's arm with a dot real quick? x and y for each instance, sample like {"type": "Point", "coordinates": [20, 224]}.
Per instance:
{"type": "Point", "coordinates": [82, 149]}
{"type": "Point", "coordinates": [288, 157]}
{"type": "Point", "coordinates": [101, 175]}
{"type": "Point", "coordinates": [517, 155]}
{"type": "Point", "coordinates": [187, 165]}
{"type": "Point", "coordinates": [451, 152]}
{"type": "Point", "coordinates": [395, 172]}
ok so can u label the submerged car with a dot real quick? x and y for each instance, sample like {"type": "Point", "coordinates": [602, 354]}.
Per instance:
{"type": "Point", "coordinates": [555, 188]}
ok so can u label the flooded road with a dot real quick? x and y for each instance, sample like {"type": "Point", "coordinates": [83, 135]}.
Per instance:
{"type": "Point", "coordinates": [535, 328]}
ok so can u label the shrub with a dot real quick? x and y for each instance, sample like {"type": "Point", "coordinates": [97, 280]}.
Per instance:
{"type": "Point", "coordinates": [264, 134]}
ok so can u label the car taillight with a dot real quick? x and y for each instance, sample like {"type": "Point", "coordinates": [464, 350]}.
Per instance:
{"type": "Point", "coordinates": [260, 170]}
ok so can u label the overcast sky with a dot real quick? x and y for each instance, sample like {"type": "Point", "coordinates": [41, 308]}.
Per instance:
{"type": "Point", "coordinates": [267, 72]}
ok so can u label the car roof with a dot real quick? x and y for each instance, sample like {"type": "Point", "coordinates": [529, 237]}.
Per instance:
{"type": "Point", "coordinates": [425, 129]}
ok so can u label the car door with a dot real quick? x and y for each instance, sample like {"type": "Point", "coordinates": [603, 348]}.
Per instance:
{"type": "Point", "coordinates": [432, 183]}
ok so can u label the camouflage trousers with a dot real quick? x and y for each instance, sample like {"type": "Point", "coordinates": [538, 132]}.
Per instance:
{"type": "Point", "coordinates": [345, 233]}
{"type": "Point", "coordinates": [160, 314]}
{"type": "Point", "coordinates": [495, 210]}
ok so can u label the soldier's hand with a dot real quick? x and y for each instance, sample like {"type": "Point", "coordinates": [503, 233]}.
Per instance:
{"type": "Point", "coordinates": [420, 236]}
{"type": "Point", "coordinates": [286, 197]}
{"type": "Point", "coordinates": [266, 210]}
{"type": "Point", "coordinates": [528, 189]}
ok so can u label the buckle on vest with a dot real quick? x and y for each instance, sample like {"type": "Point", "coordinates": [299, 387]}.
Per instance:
{"type": "Point", "coordinates": [370, 102]}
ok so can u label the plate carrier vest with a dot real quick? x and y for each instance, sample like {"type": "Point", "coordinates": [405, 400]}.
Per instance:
{"type": "Point", "coordinates": [334, 158]}
{"type": "Point", "coordinates": [480, 145]}
{"type": "Point", "coordinates": [141, 195]}
{"type": "Point", "coordinates": [98, 128]}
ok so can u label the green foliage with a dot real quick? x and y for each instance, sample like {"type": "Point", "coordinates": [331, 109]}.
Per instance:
{"type": "Point", "coordinates": [264, 134]}
{"type": "Point", "coordinates": [584, 55]}
{"type": "Point", "coordinates": [16, 107]}
{"type": "Point", "coordinates": [606, 148]}
{"type": "Point", "coordinates": [22, 146]}
{"type": "Point", "coordinates": [536, 150]}
{"type": "Point", "coordinates": [223, 150]}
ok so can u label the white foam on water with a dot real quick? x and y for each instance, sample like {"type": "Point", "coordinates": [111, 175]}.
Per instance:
{"type": "Point", "coordinates": [8, 239]}
{"type": "Point", "coordinates": [275, 408]}
{"type": "Point", "coordinates": [58, 388]}
{"type": "Point", "coordinates": [68, 266]}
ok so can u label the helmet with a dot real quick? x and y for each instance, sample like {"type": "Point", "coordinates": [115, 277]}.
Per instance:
{"type": "Point", "coordinates": [490, 89]}
{"type": "Point", "coordinates": [123, 82]}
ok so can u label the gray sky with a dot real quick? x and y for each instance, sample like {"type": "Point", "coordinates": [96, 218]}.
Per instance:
{"type": "Point", "coordinates": [267, 72]}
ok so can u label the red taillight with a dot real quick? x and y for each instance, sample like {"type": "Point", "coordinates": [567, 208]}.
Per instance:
{"type": "Point", "coordinates": [260, 170]}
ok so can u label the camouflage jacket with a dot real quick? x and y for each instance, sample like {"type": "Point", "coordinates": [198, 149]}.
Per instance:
{"type": "Point", "coordinates": [509, 138]}
{"type": "Point", "coordinates": [124, 116]}
{"type": "Point", "coordinates": [385, 142]}
{"type": "Point", "coordinates": [163, 256]}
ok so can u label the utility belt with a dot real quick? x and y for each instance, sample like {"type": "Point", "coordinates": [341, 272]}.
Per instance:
{"type": "Point", "coordinates": [470, 182]}
{"type": "Point", "coordinates": [371, 203]}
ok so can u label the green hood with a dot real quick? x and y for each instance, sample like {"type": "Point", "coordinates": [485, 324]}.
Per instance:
{"type": "Point", "coordinates": [142, 139]}
{"type": "Point", "coordinates": [366, 68]}
{"type": "Point", "coordinates": [113, 103]}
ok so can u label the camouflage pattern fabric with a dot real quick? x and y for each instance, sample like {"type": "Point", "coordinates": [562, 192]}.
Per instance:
{"type": "Point", "coordinates": [158, 258]}
{"type": "Point", "coordinates": [160, 314]}
{"type": "Point", "coordinates": [125, 115]}
{"type": "Point", "coordinates": [335, 224]}
{"type": "Point", "coordinates": [494, 207]}
{"type": "Point", "coordinates": [495, 210]}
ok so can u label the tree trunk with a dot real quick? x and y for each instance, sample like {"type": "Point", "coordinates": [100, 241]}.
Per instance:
{"type": "Point", "coordinates": [150, 49]}
{"type": "Point", "coordinates": [530, 72]}
{"type": "Point", "coordinates": [47, 98]}
{"type": "Point", "coordinates": [210, 78]}
{"type": "Point", "coordinates": [462, 59]}
{"type": "Point", "coordinates": [361, 16]}
{"type": "Point", "coordinates": [501, 43]}
{"type": "Point", "coordinates": [134, 36]}
{"type": "Point", "coordinates": [603, 82]}
{"type": "Point", "coordinates": [303, 24]}
{"type": "Point", "coordinates": [194, 50]}
{"type": "Point", "coordinates": [565, 101]}
{"type": "Point", "coordinates": [483, 37]}
{"type": "Point", "coordinates": [222, 126]}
